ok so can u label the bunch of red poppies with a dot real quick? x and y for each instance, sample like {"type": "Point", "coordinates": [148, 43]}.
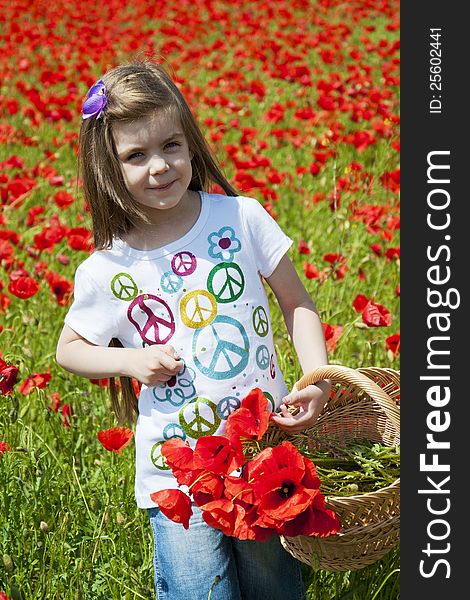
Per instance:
{"type": "Point", "coordinates": [276, 491]}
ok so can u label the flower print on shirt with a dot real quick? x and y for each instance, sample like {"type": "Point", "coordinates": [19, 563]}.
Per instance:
{"type": "Point", "coordinates": [178, 389]}
{"type": "Point", "coordinates": [223, 244]}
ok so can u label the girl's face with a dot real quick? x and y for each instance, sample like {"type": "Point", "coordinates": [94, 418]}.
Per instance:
{"type": "Point", "coordinates": [155, 160]}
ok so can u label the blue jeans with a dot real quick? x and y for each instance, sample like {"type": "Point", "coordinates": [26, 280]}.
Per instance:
{"type": "Point", "coordinates": [189, 563]}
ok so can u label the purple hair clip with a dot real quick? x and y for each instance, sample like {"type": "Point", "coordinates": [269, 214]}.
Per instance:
{"type": "Point", "coordinates": [95, 101]}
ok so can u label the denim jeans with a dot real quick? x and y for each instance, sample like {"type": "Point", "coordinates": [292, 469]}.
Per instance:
{"type": "Point", "coordinates": [189, 563]}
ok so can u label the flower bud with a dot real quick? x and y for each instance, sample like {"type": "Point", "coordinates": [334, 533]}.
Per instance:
{"type": "Point", "coordinates": [120, 519]}
{"type": "Point", "coordinates": [44, 527]}
{"type": "Point", "coordinates": [8, 563]}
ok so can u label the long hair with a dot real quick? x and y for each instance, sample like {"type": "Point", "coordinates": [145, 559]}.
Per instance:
{"type": "Point", "coordinates": [133, 91]}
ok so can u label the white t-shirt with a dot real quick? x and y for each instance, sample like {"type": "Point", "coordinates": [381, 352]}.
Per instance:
{"type": "Point", "coordinates": [203, 294]}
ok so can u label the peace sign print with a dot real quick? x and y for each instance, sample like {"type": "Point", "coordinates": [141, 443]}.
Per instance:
{"type": "Point", "coordinates": [198, 308]}
{"type": "Point", "coordinates": [271, 400]}
{"type": "Point", "coordinates": [260, 321]}
{"type": "Point", "coordinates": [226, 282]}
{"type": "Point", "coordinates": [262, 357]}
{"type": "Point", "coordinates": [173, 430]}
{"type": "Point", "coordinates": [272, 367]}
{"type": "Point", "coordinates": [183, 263]}
{"type": "Point", "coordinates": [199, 417]}
{"type": "Point", "coordinates": [157, 457]}
{"type": "Point", "coordinates": [171, 282]}
{"type": "Point", "coordinates": [124, 287]}
{"type": "Point", "coordinates": [178, 389]}
{"type": "Point", "coordinates": [152, 318]}
{"type": "Point", "coordinates": [231, 344]}
{"type": "Point", "coordinates": [227, 405]}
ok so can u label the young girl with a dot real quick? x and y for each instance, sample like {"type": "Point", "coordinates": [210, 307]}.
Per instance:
{"type": "Point", "coordinates": [173, 296]}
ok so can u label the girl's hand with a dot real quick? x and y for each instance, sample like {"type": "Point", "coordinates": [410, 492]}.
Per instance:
{"type": "Point", "coordinates": [310, 400]}
{"type": "Point", "coordinates": [154, 365]}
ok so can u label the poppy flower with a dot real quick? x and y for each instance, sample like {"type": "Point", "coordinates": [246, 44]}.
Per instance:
{"type": "Point", "coordinates": [360, 302]}
{"type": "Point", "coordinates": [115, 439]}
{"type": "Point", "coordinates": [316, 520]}
{"type": "Point", "coordinates": [4, 447]}
{"type": "Point", "coordinates": [251, 419]}
{"type": "Point", "coordinates": [206, 488]}
{"type": "Point", "coordinates": [303, 247]}
{"type": "Point", "coordinates": [179, 457]}
{"type": "Point", "coordinates": [311, 271]}
{"type": "Point", "coordinates": [174, 504]}
{"type": "Point", "coordinates": [8, 375]}
{"type": "Point", "coordinates": [278, 483]}
{"type": "Point", "coordinates": [393, 344]}
{"type": "Point", "coordinates": [376, 315]}
{"type": "Point", "coordinates": [23, 287]}
{"type": "Point", "coordinates": [218, 454]}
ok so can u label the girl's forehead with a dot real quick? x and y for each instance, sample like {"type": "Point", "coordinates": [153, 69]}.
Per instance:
{"type": "Point", "coordinates": [157, 125]}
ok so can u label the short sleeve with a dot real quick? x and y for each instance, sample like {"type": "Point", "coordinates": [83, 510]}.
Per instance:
{"type": "Point", "coordinates": [268, 241]}
{"type": "Point", "coordinates": [91, 314]}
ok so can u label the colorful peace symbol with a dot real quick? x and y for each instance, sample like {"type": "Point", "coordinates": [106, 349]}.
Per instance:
{"type": "Point", "coordinates": [227, 405]}
{"type": "Point", "coordinates": [271, 400]}
{"type": "Point", "coordinates": [178, 389]}
{"type": "Point", "coordinates": [199, 417]}
{"type": "Point", "coordinates": [124, 287]}
{"type": "Point", "coordinates": [231, 352]}
{"type": "Point", "coordinates": [173, 430]}
{"type": "Point", "coordinates": [171, 282]}
{"type": "Point", "coordinates": [262, 357]}
{"type": "Point", "coordinates": [198, 308]}
{"type": "Point", "coordinates": [260, 321]}
{"type": "Point", "coordinates": [157, 458]}
{"type": "Point", "coordinates": [226, 282]}
{"type": "Point", "coordinates": [272, 367]}
{"type": "Point", "coordinates": [183, 263]}
{"type": "Point", "coordinates": [152, 318]}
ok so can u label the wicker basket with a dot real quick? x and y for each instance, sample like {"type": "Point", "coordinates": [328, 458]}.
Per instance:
{"type": "Point", "coordinates": [364, 406]}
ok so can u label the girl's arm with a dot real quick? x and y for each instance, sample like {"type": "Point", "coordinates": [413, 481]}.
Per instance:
{"type": "Point", "coordinates": [152, 365]}
{"type": "Point", "coordinates": [306, 331]}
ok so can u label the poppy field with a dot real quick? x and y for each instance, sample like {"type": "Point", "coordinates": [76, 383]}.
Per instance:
{"type": "Point", "coordinates": [300, 101]}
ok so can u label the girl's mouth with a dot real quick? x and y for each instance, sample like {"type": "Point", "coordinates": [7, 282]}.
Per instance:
{"type": "Point", "coordinates": [160, 188]}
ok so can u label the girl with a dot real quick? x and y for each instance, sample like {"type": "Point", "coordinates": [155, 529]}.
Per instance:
{"type": "Point", "coordinates": [173, 296]}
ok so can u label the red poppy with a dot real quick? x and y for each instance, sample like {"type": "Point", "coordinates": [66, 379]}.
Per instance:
{"type": "Point", "coordinates": [393, 344]}
{"type": "Point", "coordinates": [376, 315]}
{"type": "Point", "coordinates": [115, 439]}
{"type": "Point", "coordinates": [218, 454]}
{"type": "Point", "coordinates": [8, 375]}
{"type": "Point", "coordinates": [67, 414]}
{"type": "Point", "coordinates": [332, 334]}
{"type": "Point", "coordinates": [251, 419]}
{"type": "Point", "coordinates": [3, 596]}
{"type": "Point", "coordinates": [223, 514]}
{"type": "Point", "coordinates": [174, 504]}
{"type": "Point", "coordinates": [316, 520]}
{"type": "Point", "coordinates": [36, 380]}
{"type": "Point", "coordinates": [179, 457]}
{"type": "Point", "coordinates": [206, 488]}
{"type": "Point", "coordinates": [360, 302]}
{"type": "Point", "coordinates": [311, 271]}
{"type": "Point", "coordinates": [303, 247]}
{"type": "Point", "coordinates": [4, 447]}
{"type": "Point", "coordinates": [23, 287]}
{"type": "Point", "coordinates": [279, 484]}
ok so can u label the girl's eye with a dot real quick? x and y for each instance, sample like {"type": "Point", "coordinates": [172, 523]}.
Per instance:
{"type": "Point", "coordinates": [170, 145]}
{"type": "Point", "coordinates": [134, 155]}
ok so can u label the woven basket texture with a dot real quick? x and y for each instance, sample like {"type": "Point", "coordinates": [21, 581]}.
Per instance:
{"type": "Point", "coordinates": [364, 406]}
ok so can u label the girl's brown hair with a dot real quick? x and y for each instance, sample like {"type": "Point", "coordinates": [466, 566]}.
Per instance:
{"type": "Point", "coordinates": [134, 91]}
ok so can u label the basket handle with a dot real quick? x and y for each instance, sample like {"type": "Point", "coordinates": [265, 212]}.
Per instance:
{"type": "Point", "coordinates": [341, 374]}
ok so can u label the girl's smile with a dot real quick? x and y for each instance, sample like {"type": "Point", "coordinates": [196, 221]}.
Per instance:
{"type": "Point", "coordinates": [156, 163]}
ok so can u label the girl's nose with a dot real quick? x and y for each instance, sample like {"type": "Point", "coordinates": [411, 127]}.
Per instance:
{"type": "Point", "coordinates": [158, 165]}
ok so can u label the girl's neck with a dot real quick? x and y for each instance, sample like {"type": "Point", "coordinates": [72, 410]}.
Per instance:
{"type": "Point", "coordinates": [166, 226]}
